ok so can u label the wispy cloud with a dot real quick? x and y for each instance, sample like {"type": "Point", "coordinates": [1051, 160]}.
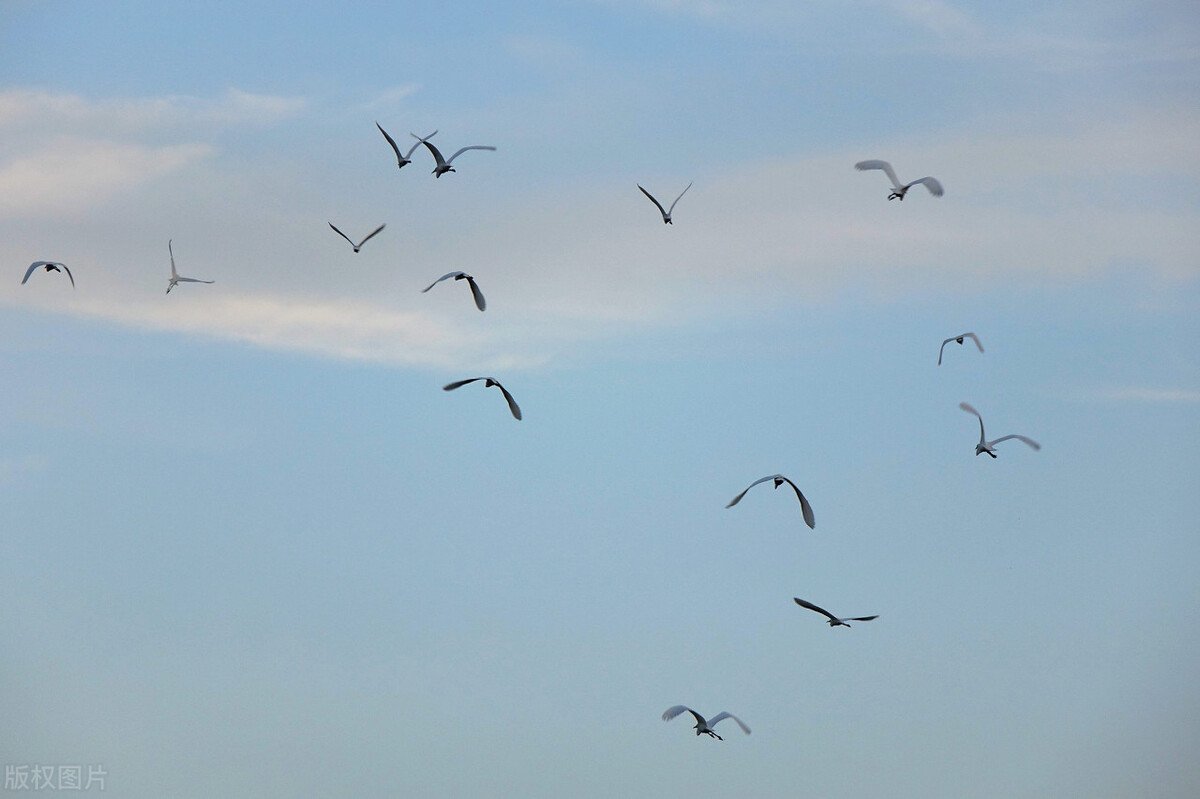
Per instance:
{"type": "Point", "coordinates": [70, 175]}
{"type": "Point", "coordinates": [751, 235]}
{"type": "Point", "coordinates": [1146, 394]}
{"type": "Point", "coordinates": [71, 113]}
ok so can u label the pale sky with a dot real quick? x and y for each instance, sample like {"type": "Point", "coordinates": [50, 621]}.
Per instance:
{"type": "Point", "coordinates": [250, 548]}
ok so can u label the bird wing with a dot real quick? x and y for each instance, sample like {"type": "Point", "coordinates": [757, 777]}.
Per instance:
{"type": "Point", "coordinates": [863, 618]}
{"type": "Point", "coordinates": [193, 280]}
{"type": "Point", "coordinates": [738, 498]}
{"type": "Point", "coordinates": [440, 279]}
{"type": "Point", "coordinates": [462, 150]}
{"type": "Point", "coordinates": [66, 269]}
{"type": "Point", "coordinates": [805, 508]}
{"type": "Point", "coordinates": [480, 302]}
{"type": "Point", "coordinates": [36, 264]}
{"type": "Point", "coordinates": [672, 712]}
{"type": "Point", "coordinates": [935, 187]}
{"type": "Point", "coordinates": [174, 274]}
{"type": "Point", "coordinates": [722, 716]}
{"type": "Point", "coordinates": [672, 208]}
{"type": "Point", "coordinates": [940, 349]}
{"type": "Point", "coordinates": [974, 338]}
{"type": "Point", "coordinates": [437, 155]}
{"type": "Point", "coordinates": [1028, 441]}
{"type": "Point", "coordinates": [372, 233]}
{"type": "Point", "coordinates": [420, 141]}
{"type": "Point", "coordinates": [460, 383]}
{"type": "Point", "coordinates": [811, 606]}
{"type": "Point", "coordinates": [512, 403]}
{"type": "Point", "coordinates": [661, 210]}
{"type": "Point", "coordinates": [966, 407]}
{"type": "Point", "coordinates": [885, 166]}
{"type": "Point", "coordinates": [340, 233]}
{"type": "Point", "coordinates": [399, 158]}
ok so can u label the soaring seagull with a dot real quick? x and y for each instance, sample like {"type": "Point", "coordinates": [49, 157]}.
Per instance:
{"type": "Point", "coordinates": [51, 266]}
{"type": "Point", "coordinates": [403, 159]}
{"type": "Point", "coordinates": [959, 339]}
{"type": "Point", "coordinates": [480, 302]}
{"type": "Point", "coordinates": [490, 381]}
{"type": "Point", "coordinates": [703, 725]}
{"type": "Point", "coordinates": [834, 621]}
{"type": "Point", "coordinates": [990, 446]}
{"type": "Point", "coordinates": [779, 479]}
{"type": "Point", "coordinates": [175, 279]}
{"type": "Point", "coordinates": [443, 164]}
{"type": "Point", "coordinates": [361, 243]}
{"type": "Point", "coordinates": [666, 215]}
{"type": "Point", "coordinates": [935, 188]}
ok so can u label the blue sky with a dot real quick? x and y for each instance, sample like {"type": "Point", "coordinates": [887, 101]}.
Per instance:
{"type": "Point", "coordinates": [250, 548]}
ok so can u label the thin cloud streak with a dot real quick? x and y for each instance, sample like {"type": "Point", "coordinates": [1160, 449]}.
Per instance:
{"type": "Point", "coordinates": [750, 236]}
{"type": "Point", "coordinates": [70, 175]}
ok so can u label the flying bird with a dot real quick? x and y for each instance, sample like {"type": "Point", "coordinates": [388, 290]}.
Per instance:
{"type": "Point", "coordinates": [959, 339]}
{"type": "Point", "coordinates": [50, 266]}
{"type": "Point", "coordinates": [361, 243]}
{"type": "Point", "coordinates": [175, 279]}
{"type": "Point", "coordinates": [443, 164]}
{"type": "Point", "coordinates": [480, 302]}
{"type": "Point", "coordinates": [403, 159]}
{"type": "Point", "coordinates": [704, 726]}
{"type": "Point", "coordinates": [834, 621]}
{"type": "Point", "coordinates": [491, 381]}
{"type": "Point", "coordinates": [990, 446]}
{"type": "Point", "coordinates": [666, 215]}
{"type": "Point", "coordinates": [779, 479]}
{"type": "Point", "coordinates": [935, 188]}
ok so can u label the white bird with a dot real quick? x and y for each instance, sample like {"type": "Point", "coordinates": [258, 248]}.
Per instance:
{"type": "Point", "coordinates": [175, 279]}
{"type": "Point", "coordinates": [834, 621]}
{"type": "Point", "coordinates": [480, 302]}
{"type": "Point", "coordinates": [989, 446]}
{"type": "Point", "coordinates": [666, 215]}
{"type": "Point", "coordinates": [959, 339]}
{"type": "Point", "coordinates": [490, 381]}
{"type": "Point", "coordinates": [51, 266]}
{"type": "Point", "coordinates": [361, 243]}
{"type": "Point", "coordinates": [403, 159]}
{"type": "Point", "coordinates": [779, 479]}
{"type": "Point", "coordinates": [935, 188]}
{"type": "Point", "coordinates": [704, 726]}
{"type": "Point", "coordinates": [443, 164]}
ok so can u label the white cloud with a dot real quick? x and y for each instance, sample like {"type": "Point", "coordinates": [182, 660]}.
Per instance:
{"type": "Point", "coordinates": [577, 262]}
{"type": "Point", "coordinates": [70, 175]}
{"type": "Point", "coordinates": [1146, 394]}
{"type": "Point", "coordinates": [70, 113]}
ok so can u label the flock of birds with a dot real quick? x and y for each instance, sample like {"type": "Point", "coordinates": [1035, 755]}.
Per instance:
{"type": "Point", "coordinates": [442, 166]}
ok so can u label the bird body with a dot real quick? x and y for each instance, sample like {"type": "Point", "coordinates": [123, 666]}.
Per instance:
{"type": "Point", "coordinates": [489, 382]}
{"type": "Point", "coordinates": [175, 279]}
{"type": "Point", "coordinates": [704, 726]}
{"type": "Point", "coordinates": [49, 266]}
{"type": "Point", "coordinates": [403, 159]}
{"type": "Point", "coordinates": [361, 243]}
{"type": "Point", "coordinates": [480, 302]}
{"type": "Point", "coordinates": [779, 480]}
{"type": "Point", "coordinates": [666, 215]}
{"type": "Point", "coordinates": [834, 621]}
{"type": "Point", "coordinates": [959, 339]}
{"type": "Point", "coordinates": [990, 446]}
{"type": "Point", "coordinates": [898, 192]}
{"type": "Point", "coordinates": [443, 164]}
